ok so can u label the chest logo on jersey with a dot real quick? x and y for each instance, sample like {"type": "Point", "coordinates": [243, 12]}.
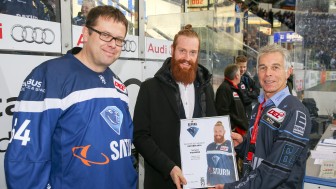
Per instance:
{"type": "Point", "coordinates": [242, 86]}
{"type": "Point", "coordinates": [119, 85]}
{"type": "Point", "coordinates": [215, 159]}
{"type": "Point", "coordinates": [235, 95]}
{"type": "Point", "coordinates": [113, 116]}
{"type": "Point", "coordinates": [81, 152]}
{"type": "Point", "coordinates": [276, 114]}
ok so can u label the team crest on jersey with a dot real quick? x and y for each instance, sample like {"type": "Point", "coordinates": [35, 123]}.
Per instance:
{"type": "Point", "coordinates": [242, 86]}
{"type": "Point", "coordinates": [193, 129]}
{"type": "Point", "coordinates": [215, 159]}
{"type": "Point", "coordinates": [119, 85]}
{"type": "Point", "coordinates": [235, 94]}
{"type": "Point", "coordinates": [113, 117]}
{"type": "Point", "coordinates": [276, 114]}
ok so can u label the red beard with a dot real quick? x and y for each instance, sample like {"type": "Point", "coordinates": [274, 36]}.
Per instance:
{"type": "Point", "coordinates": [185, 76]}
{"type": "Point", "coordinates": [219, 140]}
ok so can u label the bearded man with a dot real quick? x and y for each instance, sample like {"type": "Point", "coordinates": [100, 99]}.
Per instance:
{"type": "Point", "coordinates": [219, 158]}
{"type": "Point", "coordinates": [180, 89]}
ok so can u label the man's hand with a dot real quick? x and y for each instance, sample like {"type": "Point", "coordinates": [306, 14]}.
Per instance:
{"type": "Point", "coordinates": [177, 177]}
{"type": "Point", "coordinates": [218, 186]}
{"type": "Point", "coordinates": [236, 138]}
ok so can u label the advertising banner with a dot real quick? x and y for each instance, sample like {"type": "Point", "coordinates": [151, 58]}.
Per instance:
{"type": "Point", "coordinates": [25, 34]}
{"type": "Point", "coordinates": [157, 49]}
{"type": "Point", "coordinates": [285, 37]}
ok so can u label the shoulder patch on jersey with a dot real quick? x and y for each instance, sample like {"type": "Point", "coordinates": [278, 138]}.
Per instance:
{"type": "Point", "coordinates": [113, 117]}
{"type": "Point", "coordinates": [300, 123]}
{"type": "Point", "coordinates": [271, 121]}
{"type": "Point", "coordinates": [119, 85]}
{"type": "Point", "coordinates": [276, 114]}
{"type": "Point", "coordinates": [235, 95]}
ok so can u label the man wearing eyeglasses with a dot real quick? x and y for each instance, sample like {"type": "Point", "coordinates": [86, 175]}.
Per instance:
{"type": "Point", "coordinates": [180, 89]}
{"type": "Point", "coordinates": [71, 124]}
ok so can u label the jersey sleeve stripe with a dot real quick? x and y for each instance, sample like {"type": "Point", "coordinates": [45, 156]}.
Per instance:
{"type": "Point", "coordinates": [71, 99]}
{"type": "Point", "coordinates": [218, 152]}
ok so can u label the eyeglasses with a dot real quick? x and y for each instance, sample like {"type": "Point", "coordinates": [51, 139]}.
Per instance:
{"type": "Point", "coordinates": [108, 38]}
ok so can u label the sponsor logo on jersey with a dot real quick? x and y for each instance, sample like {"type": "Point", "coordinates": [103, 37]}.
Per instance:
{"type": "Point", "coordinates": [32, 84]}
{"type": "Point", "coordinates": [271, 121]}
{"type": "Point", "coordinates": [119, 85]}
{"type": "Point", "coordinates": [224, 148]}
{"type": "Point", "coordinates": [113, 116]}
{"type": "Point", "coordinates": [219, 171]}
{"type": "Point", "coordinates": [81, 152]}
{"type": "Point", "coordinates": [88, 156]}
{"type": "Point", "coordinates": [121, 149]}
{"type": "Point", "coordinates": [192, 128]}
{"type": "Point", "coordinates": [300, 123]}
{"type": "Point", "coordinates": [276, 114]}
{"type": "Point", "coordinates": [235, 95]}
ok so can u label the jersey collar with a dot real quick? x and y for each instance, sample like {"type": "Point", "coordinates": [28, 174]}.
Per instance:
{"type": "Point", "coordinates": [275, 99]}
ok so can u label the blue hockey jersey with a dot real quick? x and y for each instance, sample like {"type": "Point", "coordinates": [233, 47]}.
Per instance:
{"type": "Point", "coordinates": [71, 129]}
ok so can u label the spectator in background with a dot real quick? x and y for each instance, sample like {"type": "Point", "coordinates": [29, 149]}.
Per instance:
{"type": "Point", "coordinates": [238, 10]}
{"type": "Point", "coordinates": [87, 5]}
{"type": "Point", "coordinates": [250, 91]}
{"type": "Point", "coordinates": [245, 9]}
{"type": "Point", "coordinates": [228, 100]}
{"type": "Point", "coordinates": [333, 62]}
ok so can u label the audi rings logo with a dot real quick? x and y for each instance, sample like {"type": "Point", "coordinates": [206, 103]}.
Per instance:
{"type": "Point", "coordinates": [31, 34]}
{"type": "Point", "coordinates": [129, 46]}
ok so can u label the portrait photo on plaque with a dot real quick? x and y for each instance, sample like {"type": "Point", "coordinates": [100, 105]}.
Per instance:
{"type": "Point", "coordinates": [207, 152]}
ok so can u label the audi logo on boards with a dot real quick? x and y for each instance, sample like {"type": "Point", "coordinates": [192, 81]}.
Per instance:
{"type": "Point", "coordinates": [31, 34]}
{"type": "Point", "coordinates": [129, 46]}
